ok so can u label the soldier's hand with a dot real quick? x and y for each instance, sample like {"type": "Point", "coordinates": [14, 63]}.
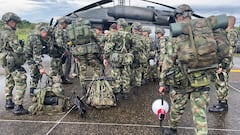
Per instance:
{"type": "Point", "coordinates": [161, 90]}
{"type": "Point", "coordinates": [105, 62]}
{"type": "Point", "coordinates": [160, 63]}
{"type": "Point", "coordinates": [42, 71]}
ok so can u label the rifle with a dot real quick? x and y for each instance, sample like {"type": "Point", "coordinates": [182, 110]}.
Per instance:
{"type": "Point", "coordinates": [79, 104]}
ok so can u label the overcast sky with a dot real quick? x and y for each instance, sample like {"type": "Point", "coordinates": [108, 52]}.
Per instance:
{"type": "Point", "coordinates": [44, 10]}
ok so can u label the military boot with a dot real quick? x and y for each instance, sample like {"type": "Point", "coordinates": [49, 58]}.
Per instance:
{"type": "Point", "coordinates": [125, 96]}
{"type": "Point", "coordinates": [65, 81]}
{"type": "Point", "coordinates": [118, 96]}
{"type": "Point", "coordinates": [9, 104]}
{"type": "Point", "coordinates": [170, 131]}
{"type": "Point", "coordinates": [32, 92]}
{"type": "Point", "coordinates": [220, 107]}
{"type": "Point", "coordinates": [19, 110]}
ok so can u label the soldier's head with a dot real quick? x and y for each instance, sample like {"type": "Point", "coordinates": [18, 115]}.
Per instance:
{"type": "Point", "coordinates": [113, 27]}
{"type": "Point", "coordinates": [98, 30]}
{"type": "Point", "coordinates": [183, 12]}
{"type": "Point", "coordinates": [136, 27]}
{"type": "Point", "coordinates": [121, 23]}
{"type": "Point", "coordinates": [43, 29]}
{"type": "Point", "coordinates": [63, 22]}
{"type": "Point", "coordinates": [159, 32]}
{"type": "Point", "coordinates": [146, 31]}
{"type": "Point", "coordinates": [11, 19]}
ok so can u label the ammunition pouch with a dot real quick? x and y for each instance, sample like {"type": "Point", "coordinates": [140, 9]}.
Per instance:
{"type": "Point", "coordinates": [81, 50]}
{"type": "Point", "coordinates": [176, 78]}
{"type": "Point", "coordinates": [199, 78]}
{"type": "Point", "coordinates": [119, 59]}
{"type": "Point", "coordinates": [3, 60]}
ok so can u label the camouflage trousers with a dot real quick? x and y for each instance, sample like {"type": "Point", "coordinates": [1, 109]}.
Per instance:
{"type": "Point", "coordinates": [137, 75]}
{"type": "Point", "coordinates": [199, 102]}
{"type": "Point", "coordinates": [122, 79]}
{"type": "Point", "coordinates": [16, 78]}
{"type": "Point", "coordinates": [83, 68]}
{"type": "Point", "coordinates": [35, 76]}
{"type": "Point", "coordinates": [152, 72]}
{"type": "Point", "coordinates": [56, 67]}
{"type": "Point", "coordinates": [222, 86]}
{"type": "Point", "coordinates": [145, 71]}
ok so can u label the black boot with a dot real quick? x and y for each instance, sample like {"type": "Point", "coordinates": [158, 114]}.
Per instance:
{"type": "Point", "coordinates": [220, 107]}
{"type": "Point", "coordinates": [125, 96]}
{"type": "Point", "coordinates": [170, 131]}
{"type": "Point", "coordinates": [65, 81]}
{"type": "Point", "coordinates": [32, 92]}
{"type": "Point", "coordinates": [9, 104]}
{"type": "Point", "coordinates": [118, 96]}
{"type": "Point", "coordinates": [19, 110]}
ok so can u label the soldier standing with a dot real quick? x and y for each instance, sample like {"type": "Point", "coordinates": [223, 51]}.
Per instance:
{"type": "Point", "coordinates": [61, 38]}
{"type": "Point", "coordinates": [117, 54]}
{"type": "Point", "coordinates": [191, 77]}
{"type": "Point", "coordinates": [223, 72]}
{"type": "Point", "coordinates": [38, 44]}
{"type": "Point", "coordinates": [14, 59]}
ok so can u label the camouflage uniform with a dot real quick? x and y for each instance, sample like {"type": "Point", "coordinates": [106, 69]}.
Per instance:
{"type": "Point", "coordinates": [34, 49]}
{"type": "Point", "coordinates": [14, 59]}
{"type": "Point", "coordinates": [139, 52]}
{"type": "Point", "coordinates": [61, 39]}
{"type": "Point", "coordinates": [222, 78]}
{"type": "Point", "coordinates": [120, 71]}
{"type": "Point", "coordinates": [88, 52]}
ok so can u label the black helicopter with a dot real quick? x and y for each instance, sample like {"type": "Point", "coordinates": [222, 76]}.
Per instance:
{"type": "Point", "coordinates": [105, 16]}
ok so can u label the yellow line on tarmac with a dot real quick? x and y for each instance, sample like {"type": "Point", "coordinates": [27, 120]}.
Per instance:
{"type": "Point", "coordinates": [235, 71]}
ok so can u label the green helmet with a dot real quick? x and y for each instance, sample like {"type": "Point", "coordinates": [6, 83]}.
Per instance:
{"type": "Point", "coordinates": [122, 22]}
{"type": "Point", "coordinates": [137, 26]}
{"type": "Point", "coordinates": [184, 10]}
{"type": "Point", "coordinates": [146, 29]}
{"type": "Point", "coordinates": [64, 20]}
{"type": "Point", "coordinates": [42, 26]}
{"type": "Point", "coordinates": [11, 16]}
{"type": "Point", "coordinates": [160, 30]}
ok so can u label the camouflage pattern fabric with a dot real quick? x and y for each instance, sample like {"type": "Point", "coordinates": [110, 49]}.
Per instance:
{"type": "Point", "coordinates": [221, 85]}
{"type": "Point", "coordinates": [199, 101]}
{"type": "Point", "coordinates": [146, 67]}
{"type": "Point", "coordinates": [15, 74]}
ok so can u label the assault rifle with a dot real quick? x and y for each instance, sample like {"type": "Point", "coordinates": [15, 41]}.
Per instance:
{"type": "Point", "coordinates": [79, 104]}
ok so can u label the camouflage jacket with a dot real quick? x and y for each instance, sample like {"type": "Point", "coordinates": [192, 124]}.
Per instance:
{"type": "Point", "coordinates": [61, 37]}
{"type": "Point", "coordinates": [35, 48]}
{"type": "Point", "coordinates": [162, 49]}
{"type": "Point", "coordinates": [10, 41]}
{"type": "Point", "coordinates": [147, 45]}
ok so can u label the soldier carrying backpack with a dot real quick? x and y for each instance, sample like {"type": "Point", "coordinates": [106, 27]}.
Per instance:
{"type": "Point", "coordinates": [193, 55]}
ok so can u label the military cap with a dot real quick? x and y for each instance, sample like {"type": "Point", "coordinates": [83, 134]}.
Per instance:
{"type": "Point", "coordinates": [146, 29]}
{"type": "Point", "coordinates": [42, 26]}
{"type": "Point", "coordinates": [122, 22]}
{"type": "Point", "coordinates": [183, 8]}
{"type": "Point", "coordinates": [159, 30]}
{"type": "Point", "coordinates": [137, 26]}
{"type": "Point", "coordinates": [64, 20]}
{"type": "Point", "coordinates": [11, 16]}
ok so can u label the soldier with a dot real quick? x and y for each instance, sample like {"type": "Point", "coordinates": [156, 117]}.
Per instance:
{"type": "Point", "coordinates": [139, 52]}
{"type": "Point", "coordinates": [87, 51]}
{"type": "Point", "coordinates": [14, 59]}
{"type": "Point", "coordinates": [61, 38]}
{"type": "Point", "coordinates": [223, 72]}
{"type": "Point", "coordinates": [149, 71]}
{"type": "Point", "coordinates": [118, 56]}
{"type": "Point", "coordinates": [190, 76]}
{"type": "Point", "coordinates": [38, 44]}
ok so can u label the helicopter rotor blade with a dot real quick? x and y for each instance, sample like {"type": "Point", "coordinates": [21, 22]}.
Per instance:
{"type": "Point", "coordinates": [101, 2]}
{"type": "Point", "coordinates": [195, 15]}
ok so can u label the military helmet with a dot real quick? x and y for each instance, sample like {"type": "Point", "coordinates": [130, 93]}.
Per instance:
{"type": "Point", "coordinates": [146, 29]}
{"type": "Point", "coordinates": [11, 16]}
{"type": "Point", "coordinates": [64, 20]}
{"type": "Point", "coordinates": [137, 26]}
{"type": "Point", "coordinates": [42, 26]}
{"type": "Point", "coordinates": [184, 10]}
{"type": "Point", "coordinates": [122, 22]}
{"type": "Point", "coordinates": [160, 30]}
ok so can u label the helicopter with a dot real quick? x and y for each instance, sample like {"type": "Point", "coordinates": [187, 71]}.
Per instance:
{"type": "Point", "coordinates": [105, 16]}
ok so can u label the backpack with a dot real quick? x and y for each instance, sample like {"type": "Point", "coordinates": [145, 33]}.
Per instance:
{"type": "Point", "coordinates": [203, 43]}
{"type": "Point", "coordinates": [80, 34]}
{"type": "Point", "coordinates": [48, 101]}
{"type": "Point", "coordinates": [100, 94]}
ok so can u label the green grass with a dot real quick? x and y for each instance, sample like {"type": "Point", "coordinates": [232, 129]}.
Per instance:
{"type": "Point", "coordinates": [23, 33]}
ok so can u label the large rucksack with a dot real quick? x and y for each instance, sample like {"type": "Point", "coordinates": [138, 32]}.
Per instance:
{"type": "Point", "coordinates": [80, 33]}
{"type": "Point", "coordinates": [100, 94]}
{"type": "Point", "coordinates": [203, 41]}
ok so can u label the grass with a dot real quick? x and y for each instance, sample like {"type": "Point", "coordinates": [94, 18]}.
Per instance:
{"type": "Point", "coordinates": [23, 33]}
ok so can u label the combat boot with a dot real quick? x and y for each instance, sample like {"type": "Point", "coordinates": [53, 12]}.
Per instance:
{"type": "Point", "coordinates": [9, 104]}
{"type": "Point", "coordinates": [118, 96]}
{"type": "Point", "coordinates": [19, 110]}
{"type": "Point", "coordinates": [65, 81]}
{"type": "Point", "coordinates": [220, 107]}
{"type": "Point", "coordinates": [32, 92]}
{"type": "Point", "coordinates": [170, 131]}
{"type": "Point", "coordinates": [125, 96]}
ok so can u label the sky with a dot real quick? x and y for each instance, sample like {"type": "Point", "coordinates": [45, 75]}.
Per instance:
{"type": "Point", "coordinates": [44, 10]}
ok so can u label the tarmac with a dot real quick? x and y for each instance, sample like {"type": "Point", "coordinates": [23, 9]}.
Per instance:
{"type": "Point", "coordinates": [130, 117]}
